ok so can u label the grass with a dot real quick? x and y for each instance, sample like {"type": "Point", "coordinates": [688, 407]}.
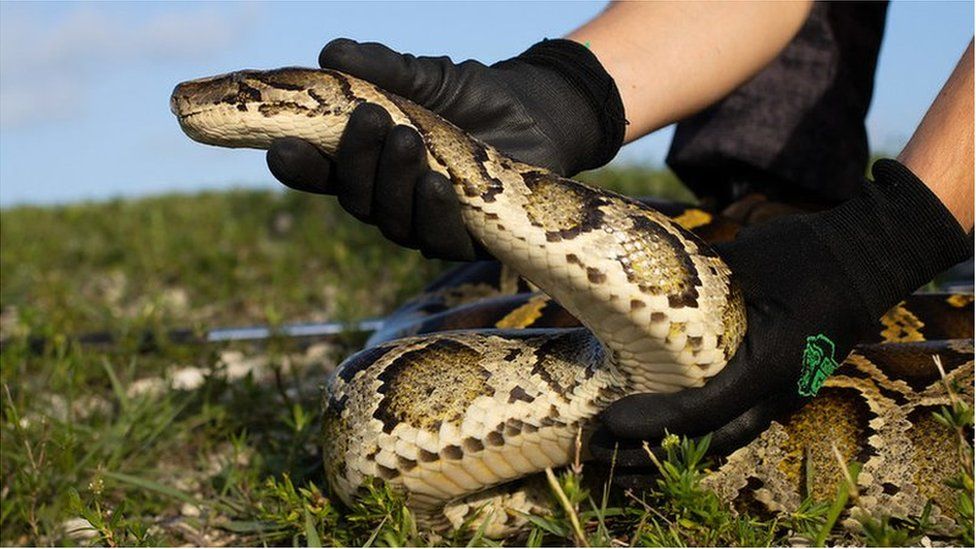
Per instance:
{"type": "Point", "coordinates": [219, 445]}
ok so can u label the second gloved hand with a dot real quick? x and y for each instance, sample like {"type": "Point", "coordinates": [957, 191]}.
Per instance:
{"type": "Point", "coordinates": [814, 285]}
{"type": "Point", "coordinates": [552, 106]}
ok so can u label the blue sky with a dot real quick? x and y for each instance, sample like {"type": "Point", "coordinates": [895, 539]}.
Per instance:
{"type": "Point", "coordinates": [84, 87]}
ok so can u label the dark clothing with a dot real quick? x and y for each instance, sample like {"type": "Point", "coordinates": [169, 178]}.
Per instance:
{"type": "Point", "coordinates": [795, 131]}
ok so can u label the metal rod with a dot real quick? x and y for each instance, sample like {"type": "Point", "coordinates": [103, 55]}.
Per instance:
{"type": "Point", "coordinates": [150, 340]}
{"type": "Point", "coordinates": [313, 329]}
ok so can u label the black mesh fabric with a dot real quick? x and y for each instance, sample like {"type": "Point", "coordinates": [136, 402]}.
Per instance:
{"type": "Point", "coordinates": [796, 129]}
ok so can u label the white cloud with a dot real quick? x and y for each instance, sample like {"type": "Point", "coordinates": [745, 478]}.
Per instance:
{"type": "Point", "coordinates": [46, 67]}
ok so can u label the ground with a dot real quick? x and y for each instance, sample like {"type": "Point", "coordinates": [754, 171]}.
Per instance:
{"type": "Point", "coordinates": [218, 445]}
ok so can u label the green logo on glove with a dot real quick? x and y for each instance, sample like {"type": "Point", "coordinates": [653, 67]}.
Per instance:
{"type": "Point", "coordinates": [818, 364]}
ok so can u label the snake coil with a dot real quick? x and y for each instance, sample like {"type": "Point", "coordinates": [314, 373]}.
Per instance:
{"type": "Point", "coordinates": [451, 418]}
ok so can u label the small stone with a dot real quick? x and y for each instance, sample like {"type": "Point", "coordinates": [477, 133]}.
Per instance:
{"type": "Point", "coordinates": [148, 386]}
{"type": "Point", "coordinates": [189, 510]}
{"type": "Point", "coordinates": [188, 379]}
{"type": "Point", "coordinates": [237, 366]}
{"type": "Point", "coordinates": [318, 351]}
{"type": "Point", "coordinates": [79, 529]}
{"type": "Point", "coordinates": [799, 541]}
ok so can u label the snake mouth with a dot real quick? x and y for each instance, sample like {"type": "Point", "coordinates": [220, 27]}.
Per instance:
{"type": "Point", "coordinates": [183, 116]}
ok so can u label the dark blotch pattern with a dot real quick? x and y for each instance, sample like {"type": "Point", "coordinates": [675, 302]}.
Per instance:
{"type": "Point", "coordinates": [428, 386]}
{"type": "Point", "coordinates": [272, 109]}
{"type": "Point", "coordinates": [444, 140]}
{"type": "Point", "coordinates": [595, 276]}
{"type": "Point", "coordinates": [245, 94]}
{"type": "Point", "coordinates": [557, 360]}
{"type": "Point", "coordinates": [562, 207]}
{"type": "Point", "coordinates": [512, 355]}
{"type": "Point", "coordinates": [472, 445]}
{"type": "Point", "coordinates": [519, 393]}
{"type": "Point", "coordinates": [452, 452]}
{"type": "Point", "coordinates": [513, 427]}
{"type": "Point", "coordinates": [655, 269]}
{"type": "Point", "coordinates": [902, 362]}
{"type": "Point", "coordinates": [361, 361]}
{"type": "Point", "coordinates": [387, 473]}
{"type": "Point", "coordinates": [935, 456]}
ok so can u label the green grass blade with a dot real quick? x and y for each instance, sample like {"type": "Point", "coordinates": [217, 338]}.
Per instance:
{"type": "Point", "coordinates": [117, 387]}
{"type": "Point", "coordinates": [311, 534]}
{"type": "Point", "coordinates": [840, 501]}
{"type": "Point", "coordinates": [152, 486]}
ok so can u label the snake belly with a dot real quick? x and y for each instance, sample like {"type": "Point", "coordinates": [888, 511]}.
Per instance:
{"type": "Point", "coordinates": [447, 417]}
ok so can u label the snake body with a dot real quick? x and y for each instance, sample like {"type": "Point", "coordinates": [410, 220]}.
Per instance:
{"type": "Point", "coordinates": [446, 416]}
{"type": "Point", "coordinates": [451, 419]}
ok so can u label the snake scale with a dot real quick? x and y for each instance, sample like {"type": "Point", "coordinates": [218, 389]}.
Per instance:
{"type": "Point", "coordinates": [451, 419]}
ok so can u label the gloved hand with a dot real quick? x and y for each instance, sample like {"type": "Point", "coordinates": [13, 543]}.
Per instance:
{"type": "Point", "coordinates": [814, 286]}
{"type": "Point", "coordinates": [632, 468]}
{"type": "Point", "coordinates": [552, 106]}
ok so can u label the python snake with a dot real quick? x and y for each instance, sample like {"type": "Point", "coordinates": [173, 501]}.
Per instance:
{"type": "Point", "coordinates": [450, 418]}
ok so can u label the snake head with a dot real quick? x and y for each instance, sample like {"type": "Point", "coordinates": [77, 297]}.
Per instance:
{"type": "Point", "coordinates": [250, 108]}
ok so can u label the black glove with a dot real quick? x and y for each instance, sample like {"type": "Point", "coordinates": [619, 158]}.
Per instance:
{"type": "Point", "coordinates": [814, 286]}
{"type": "Point", "coordinates": [552, 106]}
{"type": "Point", "coordinates": [632, 468]}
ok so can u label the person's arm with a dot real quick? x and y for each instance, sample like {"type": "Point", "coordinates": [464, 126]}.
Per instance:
{"type": "Point", "coordinates": [673, 59]}
{"type": "Point", "coordinates": [940, 152]}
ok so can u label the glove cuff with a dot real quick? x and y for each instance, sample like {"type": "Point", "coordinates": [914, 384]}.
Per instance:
{"type": "Point", "coordinates": [892, 238]}
{"type": "Point", "coordinates": [583, 72]}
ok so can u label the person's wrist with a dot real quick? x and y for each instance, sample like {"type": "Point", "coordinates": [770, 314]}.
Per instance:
{"type": "Point", "coordinates": [893, 238]}
{"type": "Point", "coordinates": [589, 123]}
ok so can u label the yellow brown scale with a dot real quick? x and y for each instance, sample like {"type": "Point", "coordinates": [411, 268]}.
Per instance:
{"type": "Point", "coordinates": [693, 218]}
{"type": "Point", "coordinates": [525, 315]}
{"type": "Point", "coordinates": [553, 207]}
{"type": "Point", "coordinates": [735, 319]}
{"type": "Point", "coordinates": [959, 300]}
{"type": "Point", "coordinates": [659, 273]}
{"type": "Point", "coordinates": [934, 452]}
{"type": "Point", "coordinates": [430, 386]}
{"type": "Point", "coordinates": [836, 418]}
{"type": "Point", "coordinates": [901, 325]}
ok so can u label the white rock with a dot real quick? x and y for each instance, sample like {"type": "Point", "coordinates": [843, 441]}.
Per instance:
{"type": "Point", "coordinates": [188, 379]}
{"type": "Point", "coordinates": [79, 528]}
{"type": "Point", "coordinates": [149, 386]}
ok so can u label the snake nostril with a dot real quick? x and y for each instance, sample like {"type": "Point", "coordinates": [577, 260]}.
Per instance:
{"type": "Point", "coordinates": [175, 100]}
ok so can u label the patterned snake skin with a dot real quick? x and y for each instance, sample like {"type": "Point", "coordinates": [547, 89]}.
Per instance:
{"type": "Point", "coordinates": [876, 409]}
{"type": "Point", "coordinates": [450, 418]}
